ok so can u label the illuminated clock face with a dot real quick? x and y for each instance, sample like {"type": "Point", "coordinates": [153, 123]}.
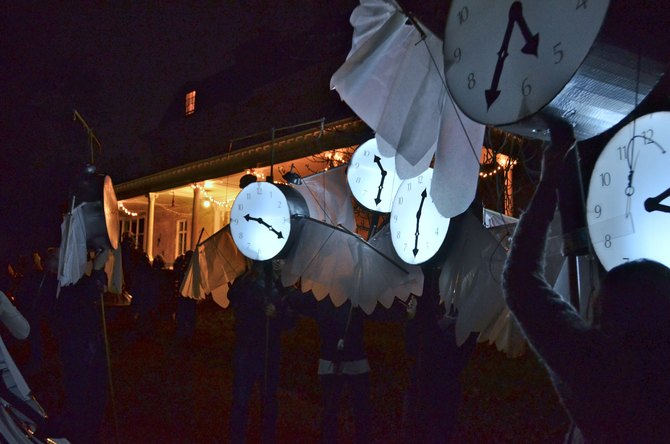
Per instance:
{"type": "Point", "coordinates": [628, 205]}
{"type": "Point", "coordinates": [505, 60]}
{"type": "Point", "coordinates": [260, 221]}
{"type": "Point", "coordinates": [372, 177]}
{"type": "Point", "coordinates": [418, 230]}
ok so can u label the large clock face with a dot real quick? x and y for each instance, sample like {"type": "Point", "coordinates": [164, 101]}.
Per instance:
{"type": "Point", "coordinates": [260, 221]}
{"type": "Point", "coordinates": [628, 203]}
{"type": "Point", "coordinates": [372, 177]}
{"type": "Point", "coordinates": [418, 230]}
{"type": "Point", "coordinates": [505, 60]}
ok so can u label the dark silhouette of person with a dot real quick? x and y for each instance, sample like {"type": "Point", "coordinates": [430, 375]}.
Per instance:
{"type": "Point", "coordinates": [82, 353]}
{"type": "Point", "coordinates": [611, 376]}
{"type": "Point", "coordinates": [342, 363]}
{"type": "Point", "coordinates": [434, 394]}
{"type": "Point", "coordinates": [260, 318]}
{"type": "Point", "coordinates": [186, 308]}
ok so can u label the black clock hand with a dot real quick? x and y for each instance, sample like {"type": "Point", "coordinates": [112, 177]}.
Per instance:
{"type": "Point", "coordinates": [654, 203]}
{"type": "Point", "coordinates": [378, 161]}
{"type": "Point", "coordinates": [424, 194]}
{"type": "Point", "coordinates": [262, 222]}
{"type": "Point", "coordinates": [532, 42]}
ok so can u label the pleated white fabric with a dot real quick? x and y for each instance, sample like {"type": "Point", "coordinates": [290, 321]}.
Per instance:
{"type": "Point", "coordinates": [332, 261]}
{"type": "Point", "coordinates": [393, 80]}
{"type": "Point", "coordinates": [214, 265]}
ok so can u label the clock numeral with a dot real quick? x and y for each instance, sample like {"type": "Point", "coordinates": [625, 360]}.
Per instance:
{"type": "Point", "coordinates": [236, 221]}
{"type": "Point", "coordinates": [356, 164]}
{"type": "Point", "coordinates": [409, 186]}
{"type": "Point", "coordinates": [279, 204]}
{"type": "Point", "coordinates": [558, 52]}
{"type": "Point", "coordinates": [581, 4]}
{"type": "Point", "coordinates": [463, 15]}
{"type": "Point", "coordinates": [358, 180]}
{"type": "Point", "coordinates": [605, 179]}
{"type": "Point", "coordinates": [471, 80]}
{"type": "Point", "coordinates": [457, 54]}
{"type": "Point", "coordinates": [648, 136]}
{"type": "Point", "coordinates": [366, 153]}
{"type": "Point", "coordinates": [623, 152]}
{"type": "Point", "coordinates": [526, 89]}
{"type": "Point", "coordinates": [395, 218]}
{"type": "Point", "coordinates": [598, 210]}
{"type": "Point", "coordinates": [240, 235]}
{"type": "Point", "coordinates": [240, 206]}
{"type": "Point", "coordinates": [437, 231]}
{"type": "Point", "coordinates": [259, 190]}
{"type": "Point", "coordinates": [285, 219]}
{"type": "Point", "coordinates": [608, 241]}
{"type": "Point", "coordinates": [419, 179]}
{"type": "Point", "coordinates": [397, 235]}
{"type": "Point", "coordinates": [401, 200]}
{"type": "Point", "coordinates": [248, 196]}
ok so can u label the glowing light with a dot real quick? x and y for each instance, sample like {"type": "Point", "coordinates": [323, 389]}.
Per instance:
{"type": "Point", "coordinates": [126, 210]}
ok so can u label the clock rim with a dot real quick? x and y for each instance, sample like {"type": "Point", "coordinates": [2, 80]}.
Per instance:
{"type": "Point", "coordinates": [609, 146]}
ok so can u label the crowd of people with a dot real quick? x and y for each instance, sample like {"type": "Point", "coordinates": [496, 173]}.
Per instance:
{"type": "Point", "coordinates": [611, 375]}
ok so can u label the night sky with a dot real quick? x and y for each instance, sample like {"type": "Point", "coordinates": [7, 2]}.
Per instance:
{"type": "Point", "coordinates": [119, 67]}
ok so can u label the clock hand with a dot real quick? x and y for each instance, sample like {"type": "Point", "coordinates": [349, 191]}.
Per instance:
{"type": "Point", "coordinates": [424, 194]}
{"type": "Point", "coordinates": [654, 203]}
{"type": "Point", "coordinates": [262, 222]}
{"type": "Point", "coordinates": [378, 161]}
{"type": "Point", "coordinates": [532, 41]}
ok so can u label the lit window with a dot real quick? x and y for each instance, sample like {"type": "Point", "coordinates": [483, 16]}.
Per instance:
{"type": "Point", "coordinates": [182, 236]}
{"type": "Point", "coordinates": [190, 103]}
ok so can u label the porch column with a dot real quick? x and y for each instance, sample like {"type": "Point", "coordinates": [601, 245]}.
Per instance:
{"type": "Point", "coordinates": [151, 203]}
{"type": "Point", "coordinates": [195, 217]}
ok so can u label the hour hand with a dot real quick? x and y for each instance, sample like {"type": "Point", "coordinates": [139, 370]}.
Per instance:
{"type": "Point", "coordinates": [260, 220]}
{"type": "Point", "coordinates": [654, 203]}
{"type": "Point", "coordinates": [378, 161]}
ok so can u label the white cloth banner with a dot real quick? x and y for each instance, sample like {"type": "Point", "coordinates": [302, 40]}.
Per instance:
{"type": "Point", "coordinates": [393, 80]}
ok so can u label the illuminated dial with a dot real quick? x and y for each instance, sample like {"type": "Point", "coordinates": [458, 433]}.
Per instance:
{"type": "Point", "coordinates": [260, 219]}
{"type": "Point", "coordinates": [372, 177]}
{"type": "Point", "coordinates": [418, 230]}
{"type": "Point", "coordinates": [628, 205]}
{"type": "Point", "coordinates": [506, 60]}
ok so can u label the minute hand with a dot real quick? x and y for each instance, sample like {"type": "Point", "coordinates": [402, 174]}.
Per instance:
{"type": "Point", "coordinates": [532, 41]}
{"type": "Point", "coordinates": [262, 222]}
{"type": "Point", "coordinates": [424, 194]}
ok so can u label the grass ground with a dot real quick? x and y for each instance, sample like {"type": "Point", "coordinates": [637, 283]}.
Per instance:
{"type": "Point", "coordinates": [161, 396]}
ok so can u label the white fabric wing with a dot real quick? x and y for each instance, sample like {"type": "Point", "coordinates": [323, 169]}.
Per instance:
{"type": "Point", "coordinates": [216, 263]}
{"type": "Point", "coordinates": [328, 197]}
{"type": "Point", "coordinates": [402, 285]}
{"type": "Point", "coordinates": [393, 80]}
{"type": "Point", "coordinates": [72, 259]}
{"type": "Point", "coordinates": [331, 261]}
{"type": "Point", "coordinates": [456, 162]}
{"type": "Point", "coordinates": [470, 278]}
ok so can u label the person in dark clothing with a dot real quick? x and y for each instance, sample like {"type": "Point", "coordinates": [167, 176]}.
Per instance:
{"type": "Point", "coordinates": [36, 293]}
{"type": "Point", "coordinates": [186, 308]}
{"type": "Point", "coordinates": [260, 318]}
{"type": "Point", "coordinates": [82, 353]}
{"type": "Point", "coordinates": [612, 376]}
{"type": "Point", "coordinates": [342, 362]}
{"type": "Point", "coordinates": [434, 393]}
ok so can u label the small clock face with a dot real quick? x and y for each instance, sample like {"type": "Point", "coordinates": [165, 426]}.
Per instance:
{"type": "Point", "coordinates": [260, 221]}
{"type": "Point", "coordinates": [372, 177]}
{"type": "Point", "coordinates": [418, 230]}
{"type": "Point", "coordinates": [505, 60]}
{"type": "Point", "coordinates": [628, 205]}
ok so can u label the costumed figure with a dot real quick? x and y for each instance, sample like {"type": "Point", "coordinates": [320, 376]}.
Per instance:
{"type": "Point", "coordinates": [612, 377]}
{"type": "Point", "coordinates": [260, 317]}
